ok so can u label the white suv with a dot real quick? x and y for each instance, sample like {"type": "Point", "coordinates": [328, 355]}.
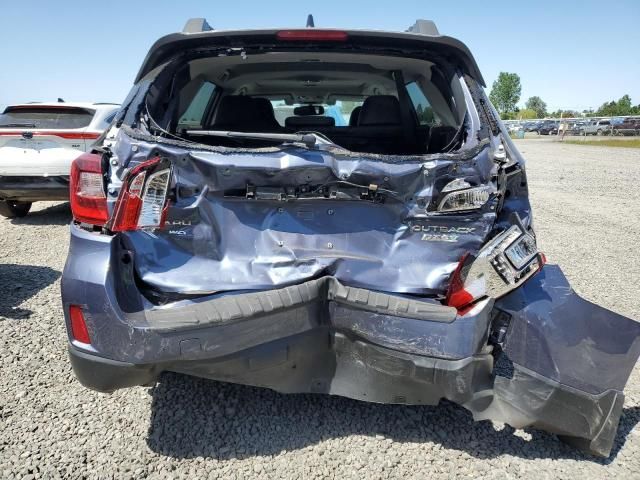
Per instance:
{"type": "Point", "coordinates": [38, 142]}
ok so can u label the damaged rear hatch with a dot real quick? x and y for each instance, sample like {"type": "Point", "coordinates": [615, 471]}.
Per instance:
{"type": "Point", "coordinates": [389, 201]}
{"type": "Point", "coordinates": [262, 220]}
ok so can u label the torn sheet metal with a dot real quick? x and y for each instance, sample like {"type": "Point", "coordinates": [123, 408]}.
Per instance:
{"type": "Point", "coordinates": [247, 221]}
{"type": "Point", "coordinates": [556, 333]}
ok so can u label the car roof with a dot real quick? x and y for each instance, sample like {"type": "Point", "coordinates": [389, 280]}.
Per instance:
{"type": "Point", "coordinates": [170, 45]}
{"type": "Point", "coordinates": [89, 105]}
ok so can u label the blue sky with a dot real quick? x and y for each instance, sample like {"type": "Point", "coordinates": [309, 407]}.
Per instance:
{"type": "Point", "coordinates": [573, 54]}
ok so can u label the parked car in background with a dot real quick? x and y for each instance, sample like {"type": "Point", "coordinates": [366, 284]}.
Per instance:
{"type": "Point", "coordinates": [528, 126]}
{"type": "Point", "coordinates": [574, 128]}
{"type": "Point", "coordinates": [597, 127]}
{"type": "Point", "coordinates": [548, 127]}
{"type": "Point", "coordinates": [514, 127]}
{"type": "Point", "coordinates": [628, 126]}
{"type": "Point", "coordinates": [533, 126]}
{"type": "Point", "coordinates": [392, 259]}
{"type": "Point", "coordinates": [38, 142]}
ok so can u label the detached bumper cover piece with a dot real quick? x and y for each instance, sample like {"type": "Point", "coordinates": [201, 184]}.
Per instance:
{"type": "Point", "coordinates": [570, 361]}
{"type": "Point", "coordinates": [562, 361]}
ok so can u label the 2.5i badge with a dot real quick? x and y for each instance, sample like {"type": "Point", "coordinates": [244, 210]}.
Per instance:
{"type": "Point", "coordinates": [440, 233]}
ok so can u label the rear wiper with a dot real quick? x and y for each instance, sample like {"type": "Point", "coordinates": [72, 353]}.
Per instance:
{"type": "Point", "coordinates": [308, 139]}
{"type": "Point", "coordinates": [18, 125]}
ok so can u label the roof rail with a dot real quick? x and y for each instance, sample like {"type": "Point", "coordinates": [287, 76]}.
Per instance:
{"type": "Point", "coordinates": [424, 27]}
{"type": "Point", "coordinates": [196, 25]}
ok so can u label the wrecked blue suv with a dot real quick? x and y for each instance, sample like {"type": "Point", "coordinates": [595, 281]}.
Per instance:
{"type": "Point", "coordinates": [330, 211]}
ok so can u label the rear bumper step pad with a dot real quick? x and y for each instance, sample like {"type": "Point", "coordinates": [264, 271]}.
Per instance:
{"type": "Point", "coordinates": [229, 308]}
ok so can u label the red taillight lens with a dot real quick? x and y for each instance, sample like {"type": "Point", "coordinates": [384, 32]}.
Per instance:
{"type": "Point", "coordinates": [543, 261]}
{"type": "Point", "coordinates": [79, 329]}
{"type": "Point", "coordinates": [503, 264]}
{"type": "Point", "coordinates": [457, 296]}
{"type": "Point", "coordinates": [86, 190]}
{"type": "Point", "coordinates": [143, 198]}
{"type": "Point", "coordinates": [129, 205]}
{"type": "Point", "coordinates": [73, 135]}
{"type": "Point", "coordinates": [312, 35]}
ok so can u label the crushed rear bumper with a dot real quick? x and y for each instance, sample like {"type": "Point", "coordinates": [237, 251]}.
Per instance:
{"type": "Point", "coordinates": [562, 361]}
{"type": "Point", "coordinates": [338, 364]}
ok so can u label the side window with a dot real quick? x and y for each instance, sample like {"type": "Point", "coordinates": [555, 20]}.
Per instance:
{"type": "Point", "coordinates": [192, 117]}
{"type": "Point", "coordinates": [424, 111]}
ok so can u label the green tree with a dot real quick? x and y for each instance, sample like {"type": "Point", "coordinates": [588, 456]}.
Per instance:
{"type": "Point", "coordinates": [608, 109]}
{"type": "Point", "coordinates": [505, 93]}
{"type": "Point", "coordinates": [565, 114]}
{"type": "Point", "coordinates": [537, 105]}
{"type": "Point", "coordinates": [528, 114]}
{"type": "Point", "coordinates": [621, 107]}
{"type": "Point", "coordinates": [624, 105]}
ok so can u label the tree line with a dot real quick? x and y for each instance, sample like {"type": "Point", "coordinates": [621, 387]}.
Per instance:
{"type": "Point", "coordinates": [505, 95]}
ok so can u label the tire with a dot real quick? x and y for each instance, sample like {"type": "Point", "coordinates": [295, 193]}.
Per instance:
{"type": "Point", "coordinates": [13, 209]}
{"type": "Point", "coordinates": [599, 133]}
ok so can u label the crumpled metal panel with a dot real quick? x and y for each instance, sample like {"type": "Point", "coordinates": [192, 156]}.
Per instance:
{"type": "Point", "coordinates": [217, 240]}
{"type": "Point", "coordinates": [558, 334]}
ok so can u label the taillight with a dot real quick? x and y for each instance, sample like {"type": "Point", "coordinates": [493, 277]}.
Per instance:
{"type": "Point", "coordinates": [458, 195]}
{"type": "Point", "coordinates": [79, 329]}
{"type": "Point", "coordinates": [457, 295]}
{"type": "Point", "coordinates": [142, 202]}
{"type": "Point", "coordinates": [73, 135]}
{"type": "Point", "coordinates": [86, 190]}
{"type": "Point", "coordinates": [312, 35]}
{"type": "Point", "coordinates": [502, 265]}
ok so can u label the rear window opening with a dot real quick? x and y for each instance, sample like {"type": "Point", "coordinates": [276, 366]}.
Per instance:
{"type": "Point", "coordinates": [361, 102]}
{"type": "Point", "coordinates": [50, 117]}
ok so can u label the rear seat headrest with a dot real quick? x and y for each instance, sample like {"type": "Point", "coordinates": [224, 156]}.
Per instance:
{"type": "Point", "coordinates": [380, 110]}
{"type": "Point", "coordinates": [309, 121]}
{"type": "Point", "coordinates": [264, 109]}
{"type": "Point", "coordinates": [263, 106]}
{"type": "Point", "coordinates": [232, 109]}
{"type": "Point", "coordinates": [355, 115]}
{"type": "Point", "coordinates": [246, 113]}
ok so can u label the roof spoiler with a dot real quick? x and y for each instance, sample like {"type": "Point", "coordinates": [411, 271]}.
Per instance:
{"type": "Point", "coordinates": [421, 26]}
{"type": "Point", "coordinates": [199, 34]}
{"type": "Point", "coordinates": [196, 25]}
{"type": "Point", "coordinates": [424, 27]}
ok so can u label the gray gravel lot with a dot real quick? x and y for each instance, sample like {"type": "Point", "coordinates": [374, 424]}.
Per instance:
{"type": "Point", "coordinates": [587, 210]}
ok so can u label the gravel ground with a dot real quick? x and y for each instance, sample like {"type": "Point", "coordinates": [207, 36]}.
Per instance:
{"type": "Point", "coordinates": [587, 209]}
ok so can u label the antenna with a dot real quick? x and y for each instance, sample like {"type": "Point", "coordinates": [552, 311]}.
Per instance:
{"type": "Point", "coordinates": [310, 23]}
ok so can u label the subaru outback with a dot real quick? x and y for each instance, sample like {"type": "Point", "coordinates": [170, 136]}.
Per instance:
{"type": "Point", "coordinates": [330, 211]}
